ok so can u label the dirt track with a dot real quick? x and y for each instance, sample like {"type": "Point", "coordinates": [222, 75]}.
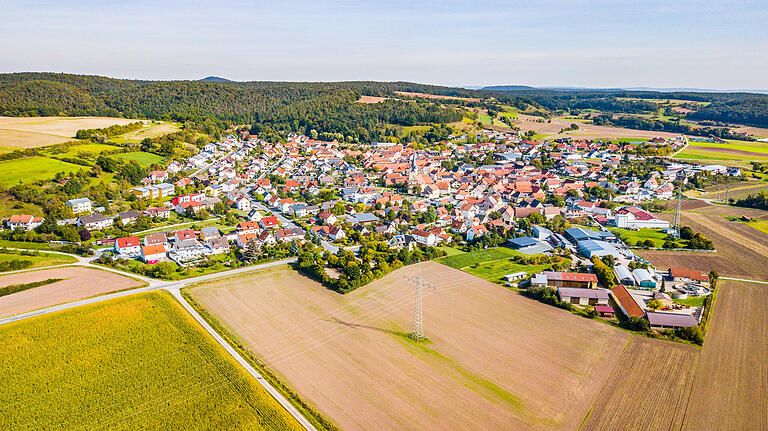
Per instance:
{"type": "Point", "coordinates": [78, 283]}
{"type": "Point", "coordinates": [494, 360]}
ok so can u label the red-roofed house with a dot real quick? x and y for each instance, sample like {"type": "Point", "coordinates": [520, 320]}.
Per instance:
{"type": "Point", "coordinates": [128, 246]}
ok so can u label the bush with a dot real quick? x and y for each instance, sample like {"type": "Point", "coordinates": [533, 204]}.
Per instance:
{"type": "Point", "coordinates": [692, 334]}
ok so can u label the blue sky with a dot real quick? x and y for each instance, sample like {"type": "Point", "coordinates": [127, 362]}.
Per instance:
{"type": "Point", "coordinates": [702, 44]}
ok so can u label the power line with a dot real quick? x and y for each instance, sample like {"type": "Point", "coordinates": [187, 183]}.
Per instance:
{"type": "Point", "coordinates": [420, 284]}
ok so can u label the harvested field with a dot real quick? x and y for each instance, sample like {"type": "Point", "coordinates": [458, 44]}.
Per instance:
{"type": "Point", "coordinates": [587, 131]}
{"type": "Point", "coordinates": [494, 359]}
{"type": "Point", "coordinates": [730, 390]}
{"type": "Point", "coordinates": [371, 99]}
{"type": "Point", "coordinates": [648, 389]}
{"type": "Point", "coordinates": [741, 250]}
{"type": "Point", "coordinates": [735, 191]}
{"type": "Point", "coordinates": [78, 283]}
{"type": "Point", "coordinates": [435, 96]}
{"type": "Point", "coordinates": [29, 132]}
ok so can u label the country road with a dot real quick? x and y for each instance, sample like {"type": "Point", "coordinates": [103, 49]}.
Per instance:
{"type": "Point", "coordinates": [174, 288]}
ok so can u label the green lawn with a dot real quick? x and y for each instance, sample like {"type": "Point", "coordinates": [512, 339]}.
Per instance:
{"type": "Point", "coordinates": [32, 169]}
{"type": "Point", "coordinates": [462, 260]}
{"type": "Point", "coordinates": [139, 362]}
{"type": "Point", "coordinates": [692, 301]}
{"type": "Point", "coordinates": [144, 159]}
{"type": "Point", "coordinates": [631, 237]}
{"type": "Point", "coordinates": [491, 264]}
{"type": "Point", "coordinates": [450, 251]}
{"type": "Point", "coordinates": [38, 261]}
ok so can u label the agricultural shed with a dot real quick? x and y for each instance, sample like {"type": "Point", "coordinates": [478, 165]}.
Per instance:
{"type": "Point", "coordinates": [624, 275]}
{"type": "Point", "coordinates": [597, 248]}
{"type": "Point", "coordinates": [528, 245]}
{"type": "Point", "coordinates": [644, 278]}
{"type": "Point", "coordinates": [660, 320]}
{"type": "Point", "coordinates": [583, 296]}
{"type": "Point", "coordinates": [626, 302]}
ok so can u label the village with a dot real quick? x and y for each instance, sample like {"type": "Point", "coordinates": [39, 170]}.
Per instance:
{"type": "Point", "coordinates": [564, 197]}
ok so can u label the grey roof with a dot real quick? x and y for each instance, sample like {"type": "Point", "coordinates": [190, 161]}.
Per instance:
{"type": "Point", "coordinates": [575, 292]}
{"type": "Point", "coordinates": [92, 218]}
{"type": "Point", "coordinates": [523, 241]}
{"type": "Point", "coordinates": [657, 318]}
{"type": "Point", "coordinates": [78, 201]}
{"type": "Point", "coordinates": [210, 231]}
{"type": "Point", "coordinates": [364, 218]}
{"type": "Point", "coordinates": [596, 248]}
{"type": "Point", "coordinates": [641, 274]}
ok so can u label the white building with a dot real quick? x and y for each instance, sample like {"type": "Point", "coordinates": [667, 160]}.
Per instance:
{"type": "Point", "coordinates": [80, 205]}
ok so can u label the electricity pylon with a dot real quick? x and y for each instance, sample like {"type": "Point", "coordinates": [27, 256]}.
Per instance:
{"type": "Point", "coordinates": [677, 212]}
{"type": "Point", "coordinates": [418, 281]}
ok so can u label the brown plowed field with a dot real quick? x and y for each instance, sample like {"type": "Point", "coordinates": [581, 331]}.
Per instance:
{"type": "Point", "coordinates": [730, 391]}
{"type": "Point", "coordinates": [660, 385]}
{"type": "Point", "coordinates": [648, 389]}
{"type": "Point", "coordinates": [78, 283]}
{"type": "Point", "coordinates": [742, 251]}
{"type": "Point", "coordinates": [494, 360]}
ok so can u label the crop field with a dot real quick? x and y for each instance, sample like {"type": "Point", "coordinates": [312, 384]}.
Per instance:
{"type": "Point", "coordinates": [435, 96]}
{"type": "Point", "coordinates": [493, 360]}
{"type": "Point", "coordinates": [77, 283]}
{"type": "Point", "coordinates": [371, 99]}
{"type": "Point", "coordinates": [30, 132]}
{"type": "Point", "coordinates": [664, 385]}
{"type": "Point", "coordinates": [742, 251]}
{"type": "Point", "coordinates": [648, 389]}
{"type": "Point", "coordinates": [733, 152]}
{"type": "Point", "coordinates": [144, 159]}
{"type": "Point", "coordinates": [138, 362]}
{"type": "Point", "coordinates": [150, 130]}
{"type": "Point", "coordinates": [730, 390]}
{"type": "Point", "coordinates": [33, 168]}
{"type": "Point", "coordinates": [586, 131]}
{"type": "Point", "coordinates": [735, 191]}
{"type": "Point", "coordinates": [43, 259]}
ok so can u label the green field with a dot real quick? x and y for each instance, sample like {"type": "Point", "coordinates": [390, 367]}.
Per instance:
{"type": "Point", "coordinates": [150, 130]}
{"type": "Point", "coordinates": [144, 159]}
{"type": "Point", "coordinates": [462, 260]}
{"type": "Point", "coordinates": [88, 148]}
{"type": "Point", "coordinates": [38, 261]}
{"type": "Point", "coordinates": [631, 237]}
{"type": "Point", "coordinates": [138, 362]}
{"type": "Point", "coordinates": [699, 151]}
{"type": "Point", "coordinates": [491, 264]}
{"type": "Point", "coordinates": [33, 168]}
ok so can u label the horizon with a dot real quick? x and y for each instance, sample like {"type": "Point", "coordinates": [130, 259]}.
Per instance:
{"type": "Point", "coordinates": [598, 45]}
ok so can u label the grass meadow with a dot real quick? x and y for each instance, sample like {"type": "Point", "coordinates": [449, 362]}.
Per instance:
{"type": "Point", "coordinates": [37, 261]}
{"type": "Point", "coordinates": [144, 159]}
{"type": "Point", "coordinates": [490, 264]}
{"type": "Point", "coordinates": [138, 362]}
{"type": "Point", "coordinates": [30, 169]}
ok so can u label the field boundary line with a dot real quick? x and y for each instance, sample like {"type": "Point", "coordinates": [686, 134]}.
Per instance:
{"type": "Point", "coordinates": [244, 363]}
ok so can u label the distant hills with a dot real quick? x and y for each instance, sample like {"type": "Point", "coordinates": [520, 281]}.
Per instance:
{"type": "Point", "coordinates": [214, 79]}
{"type": "Point", "coordinates": [511, 88]}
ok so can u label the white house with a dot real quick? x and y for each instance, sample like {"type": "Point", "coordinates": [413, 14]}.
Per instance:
{"type": "Point", "coordinates": [128, 246]}
{"type": "Point", "coordinates": [24, 221]}
{"type": "Point", "coordinates": [80, 205]}
{"type": "Point", "coordinates": [424, 237]}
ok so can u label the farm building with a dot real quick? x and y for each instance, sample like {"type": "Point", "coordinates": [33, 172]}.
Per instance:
{"type": "Point", "coordinates": [576, 234]}
{"type": "Point", "coordinates": [624, 275]}
{"type": "Point", "coordinates": [539, 280]}
{"type": "Point", "coordinates": [626, 302]}
{"type": "Point", "coordinates": [516, 276]}
{"type": "Point", "coordinates": [605, 310]}
{"type": "Point", "coordinates": [682, 275]}
{"type": "Point", "coordinates": [528, 245]}
{"type": "Point", "coordinates": [541, 233]}
{"type": "Point", "coordinates": [636, 218]}
{"type": "Point", "coordinates": [597, 248]}
{"type": "Point", "coordinates": [570, 279]}
{"type": "Point", "coordinates": [583, 296]}
{"type": "Point", "coordinates": [644, 278]}
{"type": "Point", "coordinates": [660, 320]}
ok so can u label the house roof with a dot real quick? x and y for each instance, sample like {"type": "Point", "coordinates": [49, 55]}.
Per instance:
{"type": "Point", "coordinates": [149, 250]}
{"type": "Point", "coordinates": [128, 241]}
{"type": "Point", "coordinates": [688, 273]}
{"type": "Point", "coordinates": [570, 276]}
